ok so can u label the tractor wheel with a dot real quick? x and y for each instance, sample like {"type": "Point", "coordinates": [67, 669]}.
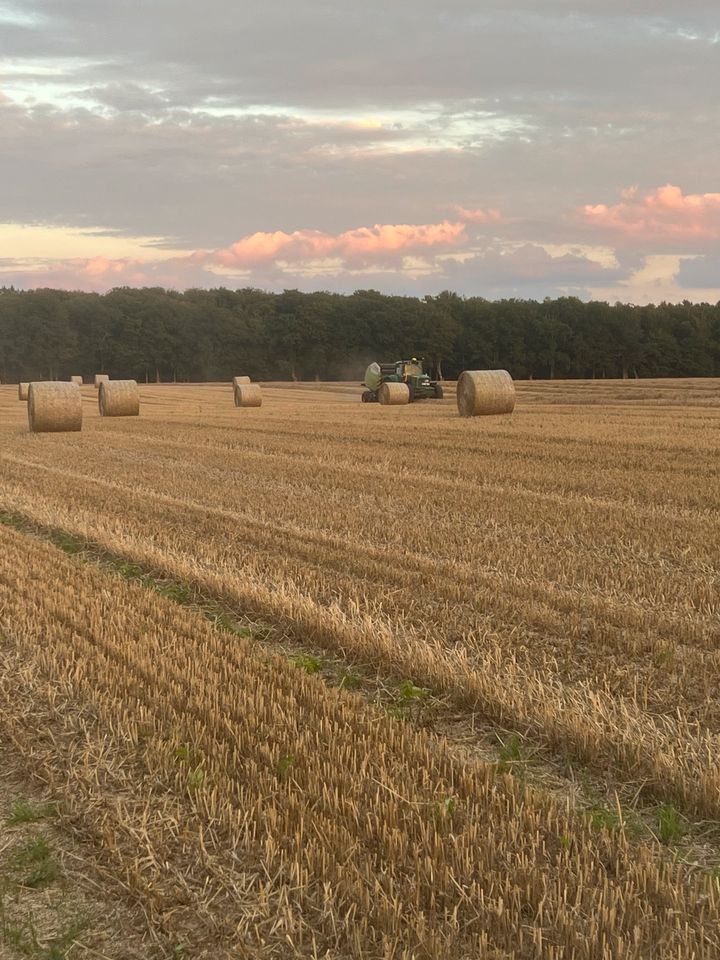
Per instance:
{"type": "Point", "coordinates": [411, 394]}
{"type": "Point", "coordinates": [438, 392]}
{"type": "Point", "coordinates": [367, 396]}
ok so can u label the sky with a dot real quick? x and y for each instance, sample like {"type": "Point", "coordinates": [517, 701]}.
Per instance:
{"type": "Point", "coordinates": [492, 147]}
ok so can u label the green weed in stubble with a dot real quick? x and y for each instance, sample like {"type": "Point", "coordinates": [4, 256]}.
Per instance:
{"type": "Point", "coordinates": [196, 779]}
{"type": "Point", "coordinates": [409, 701]}
{"type": "Point", "coordinates": [510, 753]}
{"type": "Point", "coordinates": [34, 865]}
{"type": "Point", "coordinates": [670, 824]}
{"type": "Point", "coordinates": [62, 944]}
{"type": "Point", "coordinates": [11, 519]}
{"type": "Point", "coordinates": [127, 570]}
{"type": "Point", "coordinates": [228, 624]}
{"type": "Point", "coordinates": [615, 819]}
{"type": "Point", "coordinates": [408, 692]}
{"type": "Point", "coordinates": [67, 543]}
{"type": "Point", "coordinates": [285, 765]}
{"type": "Point", "coordinates": [664, 657]}
{"type": "Point", "coordinates": [20, 937]}
{"type": "Point", "coordinates": [350, 680]}
{"type": "Point", "coordinates": [181, 593]}
{"type": "Point", "coordinates": [24, 812]}
{"type": "Point", "coordinates": [307, 662]}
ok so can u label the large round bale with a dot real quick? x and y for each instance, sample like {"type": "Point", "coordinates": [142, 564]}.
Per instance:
{"type": "Point", "coordinates": [393, 394]}
{"type": "Point", "coordinates": [54, 407]}
{"type": "Point", "coordinates": [484, 393]}
{"type": "Point", "coordinates": [100, 378]}
{"type": "Point", "coordinates": [77, 379]}
{"type": "Point", "coordinates": [118, 398]}
{"type": "Point", "coordinates": [240, 381]}
{"type": "Point", "coordinates": [23, 391]}
{"type": "Point", "coordinates": [248, 395]}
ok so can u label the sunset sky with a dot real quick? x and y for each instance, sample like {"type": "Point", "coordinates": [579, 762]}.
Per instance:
{"type": "Point", "coordinates": [494, 148]}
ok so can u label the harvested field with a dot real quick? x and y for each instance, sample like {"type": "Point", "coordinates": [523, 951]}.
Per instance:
{"type": "Point", "coordinates": [554, 573]}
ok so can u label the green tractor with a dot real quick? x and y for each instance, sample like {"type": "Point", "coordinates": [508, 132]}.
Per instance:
{"type": "Point", "coordinates": [399, 382]}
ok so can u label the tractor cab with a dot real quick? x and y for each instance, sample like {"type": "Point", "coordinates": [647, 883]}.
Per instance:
{"type": "Point", "coordinates": [411, 369]}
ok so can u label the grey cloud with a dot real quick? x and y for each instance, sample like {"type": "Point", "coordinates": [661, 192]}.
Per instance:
{"type": "Point", "coordinates": [126, 97]}
{"type": "Point", "coordinates": [378, 54]}
{"type": "Point", "coordinates": [205, 181]}
{"type": "Point", "coordinates": [528, 271]}
{"type": "Point", "coordinates": [700, 272]}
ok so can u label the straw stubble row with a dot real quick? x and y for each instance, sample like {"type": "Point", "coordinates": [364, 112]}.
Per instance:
{"type": "Point", "coordinates": [501, 669]}
{"type": "Point", "coordinates": [256, 813]}
{"type": "Point", "coordinates": [563, 552]}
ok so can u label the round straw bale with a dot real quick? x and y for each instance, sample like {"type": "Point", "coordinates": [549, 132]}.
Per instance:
{"type": "Point", "coordinates": [248, 395]}
{"type": "Point", "coordinates": [77, 379]}
{"type": "Point", "coordinates": [54, 407]}
{"type": "Point", "coordinates": [393, 394]}
{"type": "Point", "coordinates": [118, 398]}
{"type": "Point", "coordinates": [23, 391]}
{"type": "Point", "coordinates": [100, 378]}
{"type": "Point", "coordinates": [482, 393]}
{"type": "Point", "coordinates": [239, 381]}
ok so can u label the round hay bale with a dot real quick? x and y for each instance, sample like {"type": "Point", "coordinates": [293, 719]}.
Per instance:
{"type": "Point", "coordinates": [54, 407]}
{"type": "Point", "coordinates": [100, 378]}
{"type": "Point", "coordinates": [23, 391]}
{"type": "Point", "coordinates": [393, 394]}
{"type": "Point", "coordinates": [77, 379]}
{"type": "Point", "coordinates": [484, 393]}
{"type": "Point", "coordinates": [248, 395]}
{"type": "Point", "coordinates": [118, 398]}
{"type": "Point", "coordinates": [240, 381]}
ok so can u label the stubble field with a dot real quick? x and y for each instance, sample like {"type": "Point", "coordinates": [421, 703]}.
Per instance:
{"type": "Point", "coordinates": [260, 658]}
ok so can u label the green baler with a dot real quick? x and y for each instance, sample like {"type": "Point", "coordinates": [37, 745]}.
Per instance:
{"type": "Point", "coordinates": [408, 372]}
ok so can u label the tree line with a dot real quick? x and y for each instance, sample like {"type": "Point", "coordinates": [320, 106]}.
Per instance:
{"type": "Point", "coordinates": [151, 334]}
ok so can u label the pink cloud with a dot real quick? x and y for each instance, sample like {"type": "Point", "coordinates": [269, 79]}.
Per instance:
{"type": "Point", "coordinates": [98, 274]}
{"type": "Point", "coordinates": [373, 244]}
{"type": "Point", "coordinates": [363, 246]}
{"type": "Point", "coordinates": [666, 213]}
{"type": "Point", "coordinates": [478, 215]}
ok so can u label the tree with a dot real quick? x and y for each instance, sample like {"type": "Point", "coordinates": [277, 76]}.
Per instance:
{"type": "Point", "coordinates": [154, 334]}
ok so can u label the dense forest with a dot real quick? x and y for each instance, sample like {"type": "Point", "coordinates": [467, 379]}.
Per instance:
{"type": "Point", "coordinates": [153, 334]}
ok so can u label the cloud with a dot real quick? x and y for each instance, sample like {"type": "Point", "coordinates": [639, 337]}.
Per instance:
{"type": "Point", "coordinates": [175, 126]}
{"type": "Point", "coordinates": [665, 214]}
{"type": "Point", "coordinates": [530, 271]}
{"type": "Point", "coordinates": [700, 272]}
{"type": "Point", "coordinates": [362, 245]}
{"type": "Point", "coordinates": [99, 274]}
{"type": "Point", "coordinates": [311, 251]}
{"type": "Point", "coordinates": [478, 215]}
{"type": "Point", "coordinates": [128, 97]}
